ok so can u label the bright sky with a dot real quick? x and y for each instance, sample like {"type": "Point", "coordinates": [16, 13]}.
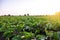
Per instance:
{"type": "Point", "coordinates": [33, 7]}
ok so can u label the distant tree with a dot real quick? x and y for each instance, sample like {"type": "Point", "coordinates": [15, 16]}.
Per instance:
{"type": "Point", "coordinates": [24, 14]}
{"type": "Point", "coordinates": [9, 15]}
{"type": "Point", "coordinates": [27, 14]}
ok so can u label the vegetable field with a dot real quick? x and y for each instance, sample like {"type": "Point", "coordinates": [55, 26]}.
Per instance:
{"type": "Point", "coordinates": [29, 28]}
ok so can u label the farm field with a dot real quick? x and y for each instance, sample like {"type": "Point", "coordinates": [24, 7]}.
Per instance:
{"type": "Point", "coordinates": [29, 27]}
{"type": "Point", "coordinates": [29, 19]}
